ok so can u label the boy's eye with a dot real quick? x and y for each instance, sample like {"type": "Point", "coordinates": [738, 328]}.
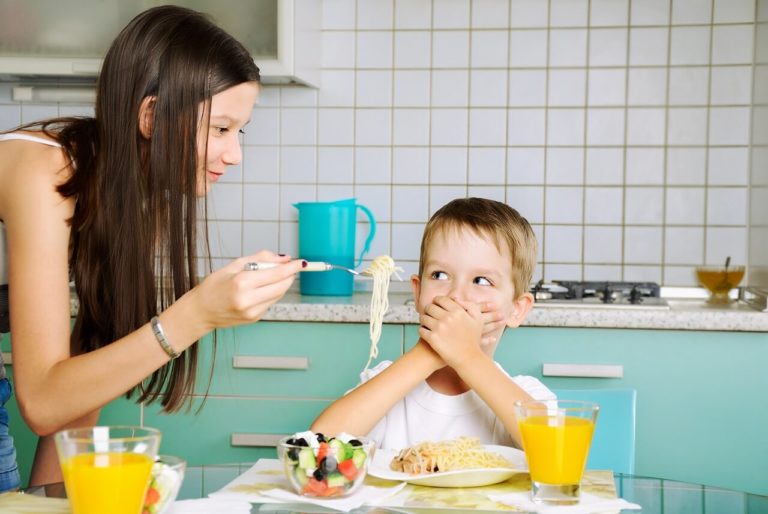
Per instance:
{"type": "Point", "coordinates": [482, 281]}
{"type": "Point", "coordinates": [438, 275]}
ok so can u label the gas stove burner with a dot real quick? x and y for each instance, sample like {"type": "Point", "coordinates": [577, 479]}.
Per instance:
{"type": "Point", "coordinates": [645, 294]}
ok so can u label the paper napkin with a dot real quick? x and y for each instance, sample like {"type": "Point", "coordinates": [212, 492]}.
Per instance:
{"type": "Point", "coordinates": [366, 494]}
{"type": "Point", "coordinates": [588, 504]}
{"type": "Point", "coordinates": [210, 506]}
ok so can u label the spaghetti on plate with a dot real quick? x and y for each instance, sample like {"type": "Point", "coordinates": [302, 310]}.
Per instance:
{"type": "Point", "coordinates": [451, 455]}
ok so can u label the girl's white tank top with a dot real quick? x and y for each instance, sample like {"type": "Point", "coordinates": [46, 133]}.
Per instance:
{"type": "Point", "coordinates": [3, 242]}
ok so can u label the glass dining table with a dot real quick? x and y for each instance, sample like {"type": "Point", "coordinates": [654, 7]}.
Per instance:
{"type": "Point", "coordinates": [654, 495]}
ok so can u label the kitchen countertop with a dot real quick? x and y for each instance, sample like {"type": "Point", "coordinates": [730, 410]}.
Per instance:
{"type": "Point", "coordinates": [683, 314]}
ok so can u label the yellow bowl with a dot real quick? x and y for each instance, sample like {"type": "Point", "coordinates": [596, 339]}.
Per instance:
{"type": "Point", "coordinates": [719, 281]}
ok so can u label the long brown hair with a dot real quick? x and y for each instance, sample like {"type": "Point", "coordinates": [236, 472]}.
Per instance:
{"type": "Point", "coordinates": [133, 245]}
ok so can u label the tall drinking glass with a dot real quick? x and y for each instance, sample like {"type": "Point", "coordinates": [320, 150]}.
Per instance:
{"type": "Point", "coordinates": [556, 437]}
{"type": "Point", "coordinates": [106, 469]}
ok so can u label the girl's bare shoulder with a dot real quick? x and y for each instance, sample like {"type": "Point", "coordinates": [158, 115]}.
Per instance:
{"type": "Point", "coordinates": [30, 169]}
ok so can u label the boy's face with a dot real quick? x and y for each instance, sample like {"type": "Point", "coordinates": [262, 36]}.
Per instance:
{"type": "Point", "coordinates": [468, 267]}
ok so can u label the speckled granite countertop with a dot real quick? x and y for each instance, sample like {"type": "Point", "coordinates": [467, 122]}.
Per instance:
{"type": "Point", "coordinates": [683, 314]}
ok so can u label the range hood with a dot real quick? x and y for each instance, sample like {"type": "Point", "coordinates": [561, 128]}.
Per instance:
{"type": "Point", "coordinates": [63, 42]}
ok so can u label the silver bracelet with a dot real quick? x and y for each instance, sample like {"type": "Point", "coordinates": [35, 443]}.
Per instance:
{"type": "Point", "coordinates": [160, 336]}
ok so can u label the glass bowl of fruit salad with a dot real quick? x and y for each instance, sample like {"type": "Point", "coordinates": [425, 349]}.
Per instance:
{"type": "Point", "coordinates": [164, 483]}
{"type": "Point", "coordinates": [325, 466]}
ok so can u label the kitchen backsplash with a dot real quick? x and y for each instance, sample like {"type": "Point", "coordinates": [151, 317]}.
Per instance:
{"type": "Point", "coordinates": [631, 133]}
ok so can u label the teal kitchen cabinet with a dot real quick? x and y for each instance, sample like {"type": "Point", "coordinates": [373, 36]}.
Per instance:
{"type": "Point", "coordinates": [270, 379]}
{"type": "Point", "coordinates": [292, 359]}
{"type": "Point", "coordinates": [231, 429]}
{"type": "Point", "coordinates": [702, 407]}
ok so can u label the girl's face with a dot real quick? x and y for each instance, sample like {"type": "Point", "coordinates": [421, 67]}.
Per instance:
{"type": "Point", "coordinates": [230, 112]}
{"type": "Point", "coordinates": [466, 266]}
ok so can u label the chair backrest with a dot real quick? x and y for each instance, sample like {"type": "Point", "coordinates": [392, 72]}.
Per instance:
{"type": "Point", "coordinates": [613, 443]}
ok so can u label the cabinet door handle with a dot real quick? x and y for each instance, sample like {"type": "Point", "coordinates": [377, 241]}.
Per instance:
{"type": "Point", "coordinates": [7, 358]}
{"type": "Point", "coordinates": [261, 362]}
{"type": "Point", "coordinates": [259, 440]}
{"type": "Point", "coordinates": [583, 370]}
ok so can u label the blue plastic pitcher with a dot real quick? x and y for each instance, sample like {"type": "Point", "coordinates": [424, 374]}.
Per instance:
{"type": "Point", "coordinates": [327, 233]}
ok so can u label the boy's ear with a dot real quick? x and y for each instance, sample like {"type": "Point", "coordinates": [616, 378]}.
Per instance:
{"type": "Point", "coordinates": [416, 287]}
{"type": "Point", "coordinates": [147, 116]}
{"type": "Point", "coordinates": [520, 309]}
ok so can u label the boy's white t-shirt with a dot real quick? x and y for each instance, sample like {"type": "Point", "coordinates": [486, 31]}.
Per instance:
{"type": "Point", "coordinates": [426, 415]}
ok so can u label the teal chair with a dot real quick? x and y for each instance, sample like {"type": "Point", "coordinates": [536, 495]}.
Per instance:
{"type": "Point", "coordinates": [613, 443]}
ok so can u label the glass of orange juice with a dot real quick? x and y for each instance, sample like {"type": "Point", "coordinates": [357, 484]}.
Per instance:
{"type": "Point", "coordinates": [107, 469]}
{"type": "Point", "coordinates": [556, 436]}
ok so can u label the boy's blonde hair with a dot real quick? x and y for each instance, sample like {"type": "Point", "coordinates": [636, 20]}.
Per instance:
{"type": "Point", "coordinates": [488, 218]}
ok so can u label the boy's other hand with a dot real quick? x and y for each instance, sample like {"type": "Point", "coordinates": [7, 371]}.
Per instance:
{"type": "Point", "coordinates": [453, 329]}
{"type": "Point", "coordinates": [493, 321]}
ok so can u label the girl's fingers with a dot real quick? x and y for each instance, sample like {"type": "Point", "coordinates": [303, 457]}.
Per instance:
{"type": "Point", "coordinates": [268, 256]}
{"type": "Point", "coordinates": [262, 298]}
{"type": "Point", "coordinates": [262, 277]}
{"type": "Point", "coordinates": [264, 256]}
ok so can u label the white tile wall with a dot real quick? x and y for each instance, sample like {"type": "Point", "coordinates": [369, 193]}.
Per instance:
{"type": "Point", "coordinates": [686, 166]}
{"type": "Point", "coordinates": [628, 132]}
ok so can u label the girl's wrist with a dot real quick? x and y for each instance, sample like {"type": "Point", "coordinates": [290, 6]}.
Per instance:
{"type": "Point", "coordinates": [185, 319]}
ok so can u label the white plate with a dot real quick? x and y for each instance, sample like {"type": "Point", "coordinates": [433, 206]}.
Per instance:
{"type": "Point", "coordinates": [379, 467]}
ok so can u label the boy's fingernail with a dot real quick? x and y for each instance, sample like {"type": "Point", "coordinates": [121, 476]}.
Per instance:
{"type": "Point", "coordinates": [304, 264]}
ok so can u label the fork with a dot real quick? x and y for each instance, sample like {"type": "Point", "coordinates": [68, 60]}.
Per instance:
{"type": "Point", "coordinates": [311, 266]}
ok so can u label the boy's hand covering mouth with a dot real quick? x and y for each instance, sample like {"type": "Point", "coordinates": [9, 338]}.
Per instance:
{"type": "Point", "coordinates": [453, 329]}
{"type": "Point", "coordinates": [493, 321]}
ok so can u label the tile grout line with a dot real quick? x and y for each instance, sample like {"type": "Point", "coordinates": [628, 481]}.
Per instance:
{"type": "Point", "coordinates": [392, 183]}
{"type": "Point", "coordinates": [431, 104]}
{"type": "Point", "coordinates": [546, 141]}
{"type": "Point", "coordinates": [585, 142]}
{"type": "Point", "coordinates": [470, 106]}
{"type": "Point", "coordinates": [667, 80]}
{"type": "Point", "coordinates": [707, 131]}
{"type": "Point", "coordinates": [623, 239]}
{"type": "Point", "coordinates": [750, 161]}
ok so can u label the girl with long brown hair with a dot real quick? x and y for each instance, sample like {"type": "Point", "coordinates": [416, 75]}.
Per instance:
{"type": "Point", "coordinates": [111, 202]}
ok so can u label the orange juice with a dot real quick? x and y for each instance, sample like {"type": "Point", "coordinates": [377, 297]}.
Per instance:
{"type": "Point", "coordinates": [113, 483]}
{"type": "Point", "coordinates": [556, 453]}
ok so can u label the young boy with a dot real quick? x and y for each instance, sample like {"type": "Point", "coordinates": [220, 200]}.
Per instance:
{"type": "Point", "coordinates": [474, 253]}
